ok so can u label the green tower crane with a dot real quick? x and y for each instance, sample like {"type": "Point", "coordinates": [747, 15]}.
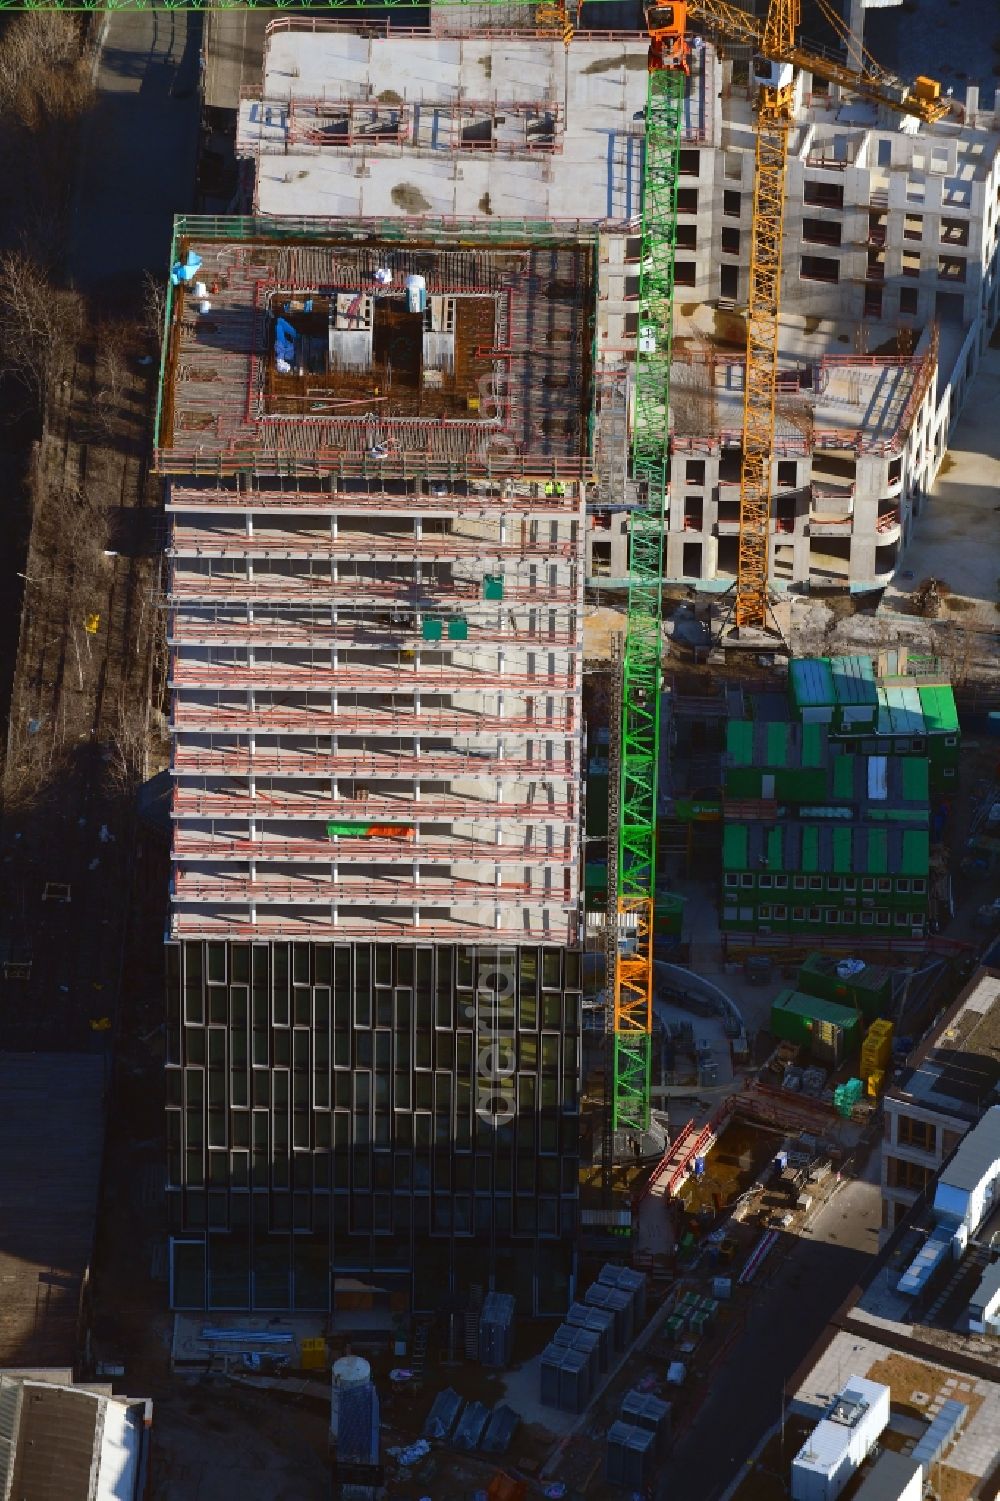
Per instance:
{"type": "Point", "coordinates": [639, 744]}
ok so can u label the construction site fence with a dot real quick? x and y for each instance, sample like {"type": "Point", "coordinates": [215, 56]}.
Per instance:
{"type": "Point", "coordinates": [385, 28]}
{"type": "Point", "coordinates": [247, 228]}
{"type": "Point", "coordinates": [791, 949]}
{"type": "Point", "coordinates": [196, 464]}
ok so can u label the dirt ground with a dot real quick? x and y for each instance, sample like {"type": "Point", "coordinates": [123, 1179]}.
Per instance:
{"type": "Point", "coordinates": [81, 733]}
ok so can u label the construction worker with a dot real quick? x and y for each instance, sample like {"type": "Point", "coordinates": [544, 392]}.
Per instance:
{"type": "Point", "coordinates": [550, 489]}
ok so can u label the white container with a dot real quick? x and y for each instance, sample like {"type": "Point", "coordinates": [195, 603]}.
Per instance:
{"type": "Point", "coordinates": [837, 1446]}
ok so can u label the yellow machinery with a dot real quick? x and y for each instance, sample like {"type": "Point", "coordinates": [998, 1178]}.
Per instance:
{"type": "Point", "coordinates": [779, 55]}
{"type": "Point", "coordinates": [554, 16]}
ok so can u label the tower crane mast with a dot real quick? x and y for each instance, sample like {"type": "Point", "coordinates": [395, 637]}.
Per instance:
{"type": "Point", "coordinates": [638, 741]}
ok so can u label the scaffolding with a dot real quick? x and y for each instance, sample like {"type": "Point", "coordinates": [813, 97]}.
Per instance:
{"type": "Point", "coordinates": [410, 676]}
{"type": "Point", "coordinates": [515, 399]}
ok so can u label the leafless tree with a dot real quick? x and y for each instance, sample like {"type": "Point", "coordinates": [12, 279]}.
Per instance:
{"type": "Point", "coordinates": [45, 88]}
{"type": "Point", "coordinates": [43, 75]}
{"type": "Point", "coordinates": [128, 758]}
{"type": "Point", "coordinates": [39, 326]}
{"type": "Point", "coordinates": [154, 306]}
{"type": "Point", "coordinates": [114, 345]}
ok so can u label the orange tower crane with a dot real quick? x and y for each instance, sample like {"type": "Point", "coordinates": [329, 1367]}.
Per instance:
{"type": "Point", "coordinates": [779, 54]}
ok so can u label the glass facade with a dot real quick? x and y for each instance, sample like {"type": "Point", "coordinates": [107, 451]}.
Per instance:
{"type": "Point", "coordinates": [399, 1113]}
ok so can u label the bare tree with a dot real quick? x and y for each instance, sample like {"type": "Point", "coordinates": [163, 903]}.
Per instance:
{"type": "Point", "coordinates": [154, 306]}
{"type": "Point", "coordinates": [39, 326]}
{"type": "Point", "coordinates": [45, 88]}
{"type": "Point", "coordinates": [128, 757]}
{"type": "Point", "coordinates": [114, 341]}
{"type": "Point", "coordinates": [43, 76]}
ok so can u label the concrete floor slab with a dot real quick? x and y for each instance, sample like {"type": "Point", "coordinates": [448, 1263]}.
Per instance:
{"type": "Point", "coordinates": [594, 93]}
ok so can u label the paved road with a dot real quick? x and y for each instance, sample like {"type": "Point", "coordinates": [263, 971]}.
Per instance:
{"type": "Point", "coordinates": [139, 147]}
{"type": "Point", "coordinates": [787, 1315]}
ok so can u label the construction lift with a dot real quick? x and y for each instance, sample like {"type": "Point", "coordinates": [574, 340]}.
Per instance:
{"type": "Point", "coordinates": [634, 798]}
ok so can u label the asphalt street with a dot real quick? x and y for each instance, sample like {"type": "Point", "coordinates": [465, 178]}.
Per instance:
{"type": "Point", "coordinates": [139, 147]}
{"type": "Point", "coordinates": [789, 1311]}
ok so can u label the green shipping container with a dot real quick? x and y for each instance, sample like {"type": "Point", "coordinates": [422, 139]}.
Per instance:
{"type": "Point", "coordinates": [869, 991]}
{"type": "Point", "coordinates": [829, 1032]}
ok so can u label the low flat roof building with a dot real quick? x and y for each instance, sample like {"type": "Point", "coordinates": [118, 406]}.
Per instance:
{"type": "Point", "coordinates": [943, 1089]}
{"type": "Point", "coordinates": [71, 1443]}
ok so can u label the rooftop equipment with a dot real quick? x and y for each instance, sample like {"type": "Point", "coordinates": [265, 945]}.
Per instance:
{"type": "Point", "coordinates": [600, 1321]}
{"type": "Point", "coordinates": [350, 1371]}
{"type": "Point", "coordinates": [496, 1328]}
{"type": "Point", "coordinates": [931, 1255]}
{"type": "Point", "coordinates": [565, 1379]}
{"type": "Point", "coordinates": [643, 1410]}
{"type": "Point", "coordinates": [471, 1426]}
{"type": "Point", "coordinates": [500, 1429]}
{"type": "Point", "coordinates": [620, 1304]}
{"type": "Point", "coordinates": [943, 1430]}
{"type": "Point", "coordinates": [445, 1409]}
{"type": "Point", "coordinates": [587, 1341]}
{"type": "Point", "coordinates": [627, 1280]}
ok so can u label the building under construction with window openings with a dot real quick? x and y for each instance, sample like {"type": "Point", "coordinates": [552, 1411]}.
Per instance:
{"type": "Point", "coordinates": [375, 450]}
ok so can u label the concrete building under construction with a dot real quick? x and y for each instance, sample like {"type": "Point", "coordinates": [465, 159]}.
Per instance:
{"type": "Point", "coordinates": [891, 280]}
{"type": "Point", "coordinates": [375, 452]}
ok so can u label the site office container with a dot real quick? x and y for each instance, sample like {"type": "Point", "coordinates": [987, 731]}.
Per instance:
{"type": "Point", "coordinates": [837, 1446]}
{"type": "Point", "coordinates": [828, 1032]}
{"type": "Point", "coordinates": [869, 991]}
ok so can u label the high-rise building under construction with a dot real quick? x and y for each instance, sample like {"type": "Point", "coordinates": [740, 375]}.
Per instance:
{"type": "Point", "coordinates": [374, 451]}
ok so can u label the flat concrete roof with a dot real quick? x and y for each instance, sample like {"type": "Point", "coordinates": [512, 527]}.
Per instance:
{"type": "Point", "coordinates": [438, 134]}
{"type": "Point", "coordinates": [921, 1387]}
{"type": "Point", "coordinates": [956, 1069]}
